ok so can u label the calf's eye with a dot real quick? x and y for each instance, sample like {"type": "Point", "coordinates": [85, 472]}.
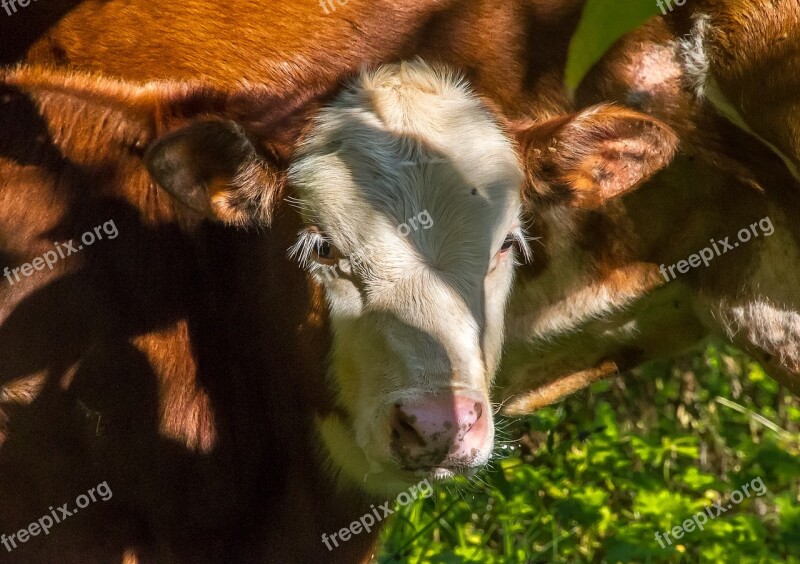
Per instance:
{"type": "Point", "coordinates": [324, 252]}
{"type": "Point", "coordinates": [507, 244]}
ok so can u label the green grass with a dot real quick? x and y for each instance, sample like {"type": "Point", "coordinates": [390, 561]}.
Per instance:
{"type": "Point", "coordinates": [594, 477]}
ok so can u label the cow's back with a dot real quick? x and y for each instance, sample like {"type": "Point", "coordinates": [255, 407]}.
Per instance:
{"type": "Point", "coordinates": [513, 51]}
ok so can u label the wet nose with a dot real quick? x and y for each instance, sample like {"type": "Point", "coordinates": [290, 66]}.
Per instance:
{"type": "Point", "coordinates": [439, 430]}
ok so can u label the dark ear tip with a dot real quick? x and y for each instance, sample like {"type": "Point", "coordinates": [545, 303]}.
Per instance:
{"type": "Point", "coordinates": [157, 162]}
{"type": "Point", "coordinates": [199, 166]}
{"type": "Point", "coordinates": [171, 164]}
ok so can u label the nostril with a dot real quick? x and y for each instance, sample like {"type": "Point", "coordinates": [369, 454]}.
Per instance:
{"type": "Point", "coordinates": [403, 428]}
{"type": "Point", "coordinates": [474, 417]}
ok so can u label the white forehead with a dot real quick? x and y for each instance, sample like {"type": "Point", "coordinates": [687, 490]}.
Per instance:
{"type": "Point", "coordinates": [402, 139]}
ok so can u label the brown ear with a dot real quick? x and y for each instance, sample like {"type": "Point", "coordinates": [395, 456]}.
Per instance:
{"type": "Point", "coordinates": [214, 169]}
{"type": "Point", "coordinates": [597, 154]}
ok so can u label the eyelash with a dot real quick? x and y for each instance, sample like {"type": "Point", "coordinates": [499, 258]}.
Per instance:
{"type": "Point", "coordinates": [523, 244]}
{"type": "Point", "coordinates": [303, 249]}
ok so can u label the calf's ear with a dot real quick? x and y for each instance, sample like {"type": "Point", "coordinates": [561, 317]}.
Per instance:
{"type": "Point", "coordinates": [587, 158]}
{"type": "Point", "coordinates": [214, 169]}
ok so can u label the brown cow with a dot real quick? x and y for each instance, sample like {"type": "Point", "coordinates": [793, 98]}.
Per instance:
{"type": "Point", "coordinates": [297, 54]}
{"type": "Point", "coordinates": [513, 51]}
{"type": "Point", "coordinates": [183, 362]}
{"type": "Point", "coordinates": [710, 247]}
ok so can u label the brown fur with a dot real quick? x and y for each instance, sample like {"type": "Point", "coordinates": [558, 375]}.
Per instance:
{"type": "Point", "coordinates": [755, 59]}
{"type": "Point", "coordinates": [562, 162]}
{"type": "Point", "coordinates": [514, 50]}
{"type": "Point", "coordinates": [263, 470]}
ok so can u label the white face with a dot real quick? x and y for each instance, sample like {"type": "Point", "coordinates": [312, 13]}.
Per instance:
{"type": "Point", "coordinates": [410, 191]}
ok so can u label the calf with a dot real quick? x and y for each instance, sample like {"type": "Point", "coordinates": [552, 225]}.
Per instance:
{"type": "Point", "coordinates": [184, 362]}
{"type": "Point", "coordinates": [614, 287]}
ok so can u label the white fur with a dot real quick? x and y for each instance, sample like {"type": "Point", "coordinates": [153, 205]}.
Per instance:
{"type": "Point", "coordinates": [420, 313]}
{"type": "Point", "coordinates": [694, 56]}
{"type": "Point", "coordinates": [765, 317]}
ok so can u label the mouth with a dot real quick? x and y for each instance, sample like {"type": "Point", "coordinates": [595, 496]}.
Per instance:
{"type": "Point", "coordinates": [377, 470]}
{"type": "Point", "coordinates": [439, 473]}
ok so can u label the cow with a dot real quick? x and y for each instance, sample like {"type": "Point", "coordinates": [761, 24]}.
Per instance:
{"type": "Point", "coordinates": [241, 402]}
{"type": "Point", "coordinates": [518, 66]}
{"type": "Point", "coordinates": [513, 51]}
{"type": "Point", "coordinates": [614, 288]}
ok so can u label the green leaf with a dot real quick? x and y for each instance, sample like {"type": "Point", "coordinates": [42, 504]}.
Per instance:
{"type": "Point", "coordinates": [603, 22]}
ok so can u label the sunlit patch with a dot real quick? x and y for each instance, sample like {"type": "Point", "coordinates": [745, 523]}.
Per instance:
{"type": "Point", "coordinates": [22, 391]}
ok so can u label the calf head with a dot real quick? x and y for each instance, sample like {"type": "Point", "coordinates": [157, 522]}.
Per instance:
{"type": "Point", "coordinates": [409, 192]}
{"type": "Point", "coordinates": [570, 306]}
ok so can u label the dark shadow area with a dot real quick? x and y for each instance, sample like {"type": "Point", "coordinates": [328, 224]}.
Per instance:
{"type": "Point", "coordinates": [22, 28]}
{"type": "Point", "coordinates": [177, 362]}
{"type": "Point", "coordinates": [104, 337]}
